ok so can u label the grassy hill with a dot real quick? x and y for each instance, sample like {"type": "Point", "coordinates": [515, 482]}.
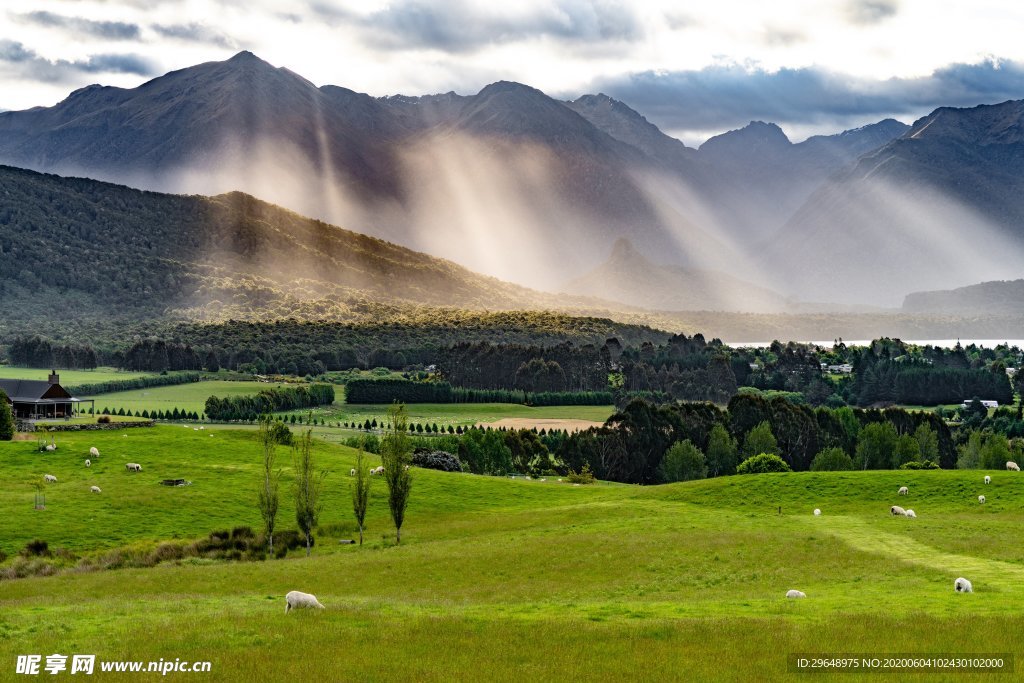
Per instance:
{"type": "Point", "coordinates": [513, 579]}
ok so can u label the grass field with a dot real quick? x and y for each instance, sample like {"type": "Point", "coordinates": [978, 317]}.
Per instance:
{"type": "Point", "coordinates": [189, 397]}
{"type": "Point", "coordinates": [71, 377]}
{"type": "Point", "coordinates": [464, 414]}
{"type": "Point", "coordinates": [513, 580]}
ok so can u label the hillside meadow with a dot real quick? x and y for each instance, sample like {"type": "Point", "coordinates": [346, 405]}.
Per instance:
{"type": "Point", "coordinates": [511, 579]}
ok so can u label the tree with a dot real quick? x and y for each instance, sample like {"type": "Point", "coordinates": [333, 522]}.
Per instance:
{"type": "Point", "coordinates": [722, 452]}
{"type": "Point", "coordinates": [833, 459]}
{"type": "Point", "coordinates": [995, 452]}
{"type": "Point", "coordinates": [268, 493]}
{"type": "Point", "coordinates": [763, 463]}
{"type": "Point", "coordinates": [6, 419]}
{"type": "Point", "coordinates": [907, 450]}
{"type": "Point", "coordinates": [875, 446]}
{"type": "Point", "coordinates": [395, 455]}
{"type": "Point", "coordinates": [760, 440]}
{"type": "Point", "coordinates": [927, 443]}
{"type": "Point", "coordinates": [308, 482]}
{"type": "Point", "coordinates": [970, 453]}
{"type": "Point", "coordinates": [361, 491]}
{"type": "Point", "coordinates": [683, 462]}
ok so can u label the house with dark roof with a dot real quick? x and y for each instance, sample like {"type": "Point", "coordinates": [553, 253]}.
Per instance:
{"type": "Point", "coordinates": [31, 399]}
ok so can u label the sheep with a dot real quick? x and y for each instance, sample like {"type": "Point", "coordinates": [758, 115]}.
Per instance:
{"type": "Point", "coordinates": [50, 447]}
{"type": "Point", "coordinates": [911, 514]}
{"type": "Point", "coordinates": [95, 489]}
{"type": "Point", "coordinates": [49, 479]}
{"type": "Point", "coordinates": [133, 467]}
{"type": "Point", "coordinates": [299, 600]}
{"type": "Point", "coordinates": [406, 468]}
{"type": "Point", "coordinates": [904, 491]}
{"type": "Point", "coordinates": [988, 479]}
{"type": "Point", "coordinates": [1012, 466]}
{"type": "Point", "coordinates": [201, 428]}
{"type": "Point", "coordinates": [88, 462]}
{"type": "Point", "coordinates": [981, 499]}
{"type": "Point", "coordinates": [352, 472]}
{"type": "Point", "coordinates": [795, 594]}
{"type": "Point", "coordinates": [962, 585]}
{"type": "Point", "coordinates": [817, 512]}
{"type": "Point", "coordinates": [897, 511]}
{"type": "Point", "coordinates": [94, 452]}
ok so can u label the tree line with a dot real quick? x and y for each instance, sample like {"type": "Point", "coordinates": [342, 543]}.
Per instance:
{"type": "Point", "coordinates": [387, 390]}
{"type": "Point", "coordinates": [271, 400]}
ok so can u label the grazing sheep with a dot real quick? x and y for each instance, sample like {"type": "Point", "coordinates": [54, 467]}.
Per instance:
{"type": "Point", "coordinates": [795, 594]}
{"type": "Point", "coordinates": [352, 472]}
{"type": "Point", "coordinates": [904, 491]}
{"type": "Point", "coordinates": [910, 513]}
{"type": "Point", "coordinates": [981, 499]}
{"type": "Point", "coordinates": [988, 479]}
{"type": "Point", "coordinates": [300, 600]}
{"type": "Point", "coordinates": [201, 428]}
{"type": "Point", "coordinates": [94, 452]}
{"type": "Point", "coordinates": [95, 489]}
{"type": "Point", "coordinates": [817, 512]}
{"type": "Point", "coordinates": [50, 447]}
{"type": "Point", "coordinates": [406, 468]}
{"type": "Point", "coordinates": [133, 467]}
{"type": "Point", "coordinates": [88, 462]}
{"type": "Point", "coordinates": [50, 479]}
{"type": "Point", "coordinates": [1012, 466]}
{"type": "Point", "coordinates": [897, 511]}
{"type": "Point", "coordinates": [962, 585]}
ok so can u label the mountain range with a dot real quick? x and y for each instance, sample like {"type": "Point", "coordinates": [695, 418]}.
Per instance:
{"type": "Point", "coordinates": [521, 186]}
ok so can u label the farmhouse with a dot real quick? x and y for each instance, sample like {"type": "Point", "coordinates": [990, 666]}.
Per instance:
{"type": "Point", "coordinates": [32, 399]}
{"type": "Point", "coordinates": [987, 404]}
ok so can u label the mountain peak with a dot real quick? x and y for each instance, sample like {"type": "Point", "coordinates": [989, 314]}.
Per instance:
{"type": "Point", "coordinates": [623, 251]}
{"type": "Point", "coordinates": [245, 56]}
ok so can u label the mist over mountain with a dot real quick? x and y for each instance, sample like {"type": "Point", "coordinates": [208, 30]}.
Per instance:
{"type": "Point", "coordinates": [1002, 297]}
{"type": "Point", "coordinates": [941, 206]}
{"type": "Point", "coordinates": [518, 185]}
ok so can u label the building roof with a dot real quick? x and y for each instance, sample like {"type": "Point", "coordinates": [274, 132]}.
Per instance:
{"type": "Point", "coordinates": [28, 390]}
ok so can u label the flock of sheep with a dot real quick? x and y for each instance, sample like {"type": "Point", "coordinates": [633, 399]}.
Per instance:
{"type": "Point", "coordinates": [93, 453]}
{"type": "Point", "coordinates": [961, 585]}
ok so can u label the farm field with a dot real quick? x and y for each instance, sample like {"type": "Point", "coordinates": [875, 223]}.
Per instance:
{"type": "Point", "coordinates": [71, 377]}
{"type": "Point", "coordinates": [189, 397]}
{"type": "Point", "coordinates": [513, 580]}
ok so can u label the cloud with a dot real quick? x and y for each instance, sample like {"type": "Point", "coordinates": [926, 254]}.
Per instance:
{"type": "Point", "coordinates": [728, 96]}
{"type": "Point", "coordinates": [111, 30]}
{"type": "Point", "coordinates": [460, 26]}
{"type": "Point", "coordinates": [871, 11]}
{"type": "Point", "coordinates": [28, 65]}
{"type": "Point", "coordinates": [195, 33]}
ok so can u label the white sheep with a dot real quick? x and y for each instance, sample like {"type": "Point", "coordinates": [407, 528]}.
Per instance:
{"type": "Point", "coordinates": [1012, 466]}
{"type": "Point", "coordinates": [988, 479]}
{"type": "Point", "coordinates": [133, 467]}
{"type": "Point", "coordinates": [795, 594]}
{"type": "Point", "coordinates": [95, 489]}
{"type": "Point", "coordinates": [94, 452]}
{"type": "Point", "coordinates": [88, 462]}
{"type": "Point", "coordinates": [300, 600]}
{"type": "Point", "coordinates": [50, 447]}
{"type": "Point", "coordinates": [981, 499]}
{"type": "Point", "coordinates": [904, 491]}
{"type": "Point", "coordinates": [817, 512]}
{"type": "Point", "coordinates": [406, 468]}
{"type": "Point", "coordinates": [379, 470]}
{"type": "Point", "coordinates": [962, 585]}
{"type": "Point", "coordinates": [911, 514]}
{"type": "Point", "coordinates": [352, 472]}
{"type": "Point", "coordinates": [201, 428]}
{"type": "Point", "coordinates": [50, 479]}
{"type": "Point", "coordinates": [897, 511]}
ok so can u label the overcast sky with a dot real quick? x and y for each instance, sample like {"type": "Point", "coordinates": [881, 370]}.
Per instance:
{"type": "Point", "coordinates": [693, 68]}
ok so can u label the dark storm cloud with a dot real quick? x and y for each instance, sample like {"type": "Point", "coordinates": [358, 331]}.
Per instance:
{"type": "Point", "coordinates": [111, 30]}
{"type": "Point", "coordinates": [729, 96]}
{"type": "Point", "coordinates": [460, 27]}
{"type": "Point", "coordinates": [28, 65]}
{"type": "Point", "coordinates": [194, 33]}
{"type": "Point", "coordinates": [871, 11]}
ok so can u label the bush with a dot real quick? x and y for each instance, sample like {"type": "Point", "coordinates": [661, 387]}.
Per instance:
{"type": "Point", "coordinates": [585, 476]}
{"type": "Point", "coordinates": [763, 463]}
{"type": "Point", "coordinates": [683, 462]}
{"type": "Point", "coordinates": [926, 465]}
{"type": "Point", "coordinates": [280, 433]}
{"type": "Point", "coordinates": [832, 460]}
{"type": "Point", "coordinates": [103, 419]}
{"type": "Point", "coordinates": [436, 460]}
{"type": "Point", "coordinates": [36, 548]}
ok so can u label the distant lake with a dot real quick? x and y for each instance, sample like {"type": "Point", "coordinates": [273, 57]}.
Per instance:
{"type": "Point", "coordinates": [944, 343]}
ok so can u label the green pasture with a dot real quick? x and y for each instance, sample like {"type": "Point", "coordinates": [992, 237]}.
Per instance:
{"type": "Point", "coordinates": [189, 397]}
{"type": "Point", "coordinates": [455, 414]}
{"type": "Point", "coordinates": [71, 377]}
{"type": "Point", "coordinates": [511, 580]}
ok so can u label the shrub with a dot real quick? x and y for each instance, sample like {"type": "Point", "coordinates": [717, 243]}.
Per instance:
{"type": "Point", "coordinates": [585, 476]}
{"type": "Point", "coordinates": [36, 548]}
{"type": "Point", "coordinates": [763, 463]}
{"type": "Point", "coordinates": [832, 460]}
{"type": "Point", "coordinates": [683, 462]}
{"type": "Point", "coordinates": [280, 433]}
{"type": "Point", "coordinates": [436, 460]}
{"type": "Point", "coordinates": [926, 465]}
{"type": "Point", "coordinates": [103, 419]}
